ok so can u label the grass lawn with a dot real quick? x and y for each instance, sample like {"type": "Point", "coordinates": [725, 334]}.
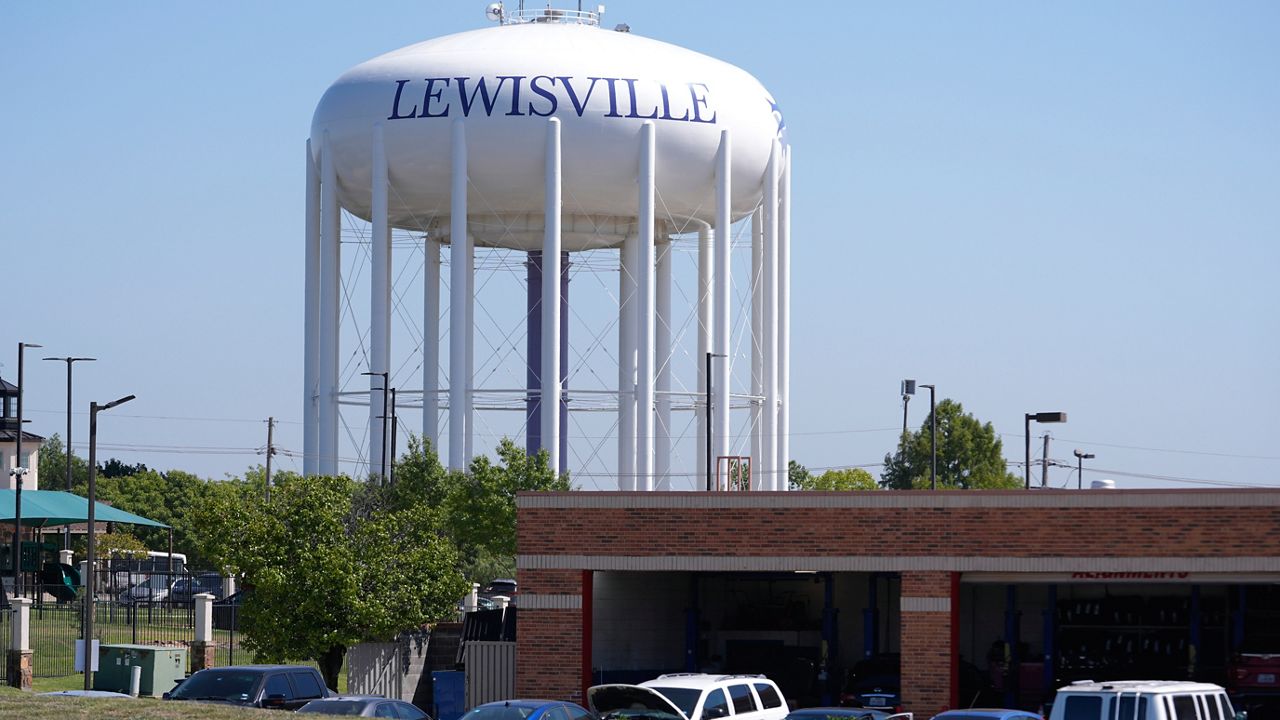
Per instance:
{"type": "Point", "coordinates": [18, 704]}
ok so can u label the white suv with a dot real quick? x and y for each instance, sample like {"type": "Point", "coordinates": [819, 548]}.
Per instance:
{"type": "Point", "coordinates": [691, 696]}
{"type": "Point", "coordinates": [1142, 700]}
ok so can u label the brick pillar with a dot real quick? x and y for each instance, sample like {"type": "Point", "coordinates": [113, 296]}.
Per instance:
{"type": "Point", "coordinates": [549, 625]}
{"type": "Point", "coordinates": [18, 659]}
{"type": "Point", "coordinates": [928, 665]}
{"type": "Point", "coordinates": [202, 648]}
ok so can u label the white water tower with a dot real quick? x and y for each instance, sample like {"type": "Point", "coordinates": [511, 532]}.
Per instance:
{"type": "Point", "coordinates": [552, 136]}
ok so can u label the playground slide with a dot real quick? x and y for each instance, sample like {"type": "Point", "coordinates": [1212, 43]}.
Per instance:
{"type": "Point", "coordinates": [60, 581]}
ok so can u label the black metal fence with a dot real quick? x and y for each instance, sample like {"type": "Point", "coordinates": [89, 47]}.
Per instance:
{"type": "Point", "coordinates": [130, 608]}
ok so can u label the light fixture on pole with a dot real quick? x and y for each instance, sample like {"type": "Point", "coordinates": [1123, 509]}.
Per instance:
{"type": "Point", "coordinates": [933, 439]}
{"type": "Point", "coordinates": [382, 451]}
{"type": "Point", "coordinates": [908, 389]}
{"type": "Point", "coordinates": [1044, 417]}
{"type": "Point", "coordinates": [711, 479]}
{"type": "Point", "coordinates": [1080, 458]}
{"type": "Point", "coordinates": [66, 533]}
{"type": "Point", "coordinates": [20, 469]}
{"type": "Point", "coordinates": [90, 600]}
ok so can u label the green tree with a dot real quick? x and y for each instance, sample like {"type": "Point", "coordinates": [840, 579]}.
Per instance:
{"type": "Point", "coordinates": [480, 507]}
{"type": "Point", "coordinates": [842, 479]}
{"type": "Point", "coordinates": [53, 467]}
{"type": "Point", "coordinates": [329, 566]}
{"type": "Point", "coordinates": [969, 455]}
{"type": "Point", "coordinates": [797, 475]}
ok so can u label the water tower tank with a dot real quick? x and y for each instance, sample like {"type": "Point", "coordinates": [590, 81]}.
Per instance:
{"type": "Point", "coordinates": [477, 139]}
{"type": "Point", "coordinates": [502, 82]}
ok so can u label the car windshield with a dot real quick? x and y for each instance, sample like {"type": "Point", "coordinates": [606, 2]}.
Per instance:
{"type": "Point", "coordinates": [334, 707]}
{"type": "Point", "coordinates": [499, 712]}
{"type": "Point", "coordinates": [229, 685]}
{"type": "Point", "coordinates": [684, 698]}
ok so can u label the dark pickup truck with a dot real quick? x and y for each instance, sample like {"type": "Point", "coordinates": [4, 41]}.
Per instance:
{"type": "Point", "coordinates": [283, 687]}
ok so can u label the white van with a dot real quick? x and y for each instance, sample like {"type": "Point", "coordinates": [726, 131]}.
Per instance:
{"type": "Point", "coordinates": [691, 696]}
{"type": "Point", "coordinates": [1142, 700]}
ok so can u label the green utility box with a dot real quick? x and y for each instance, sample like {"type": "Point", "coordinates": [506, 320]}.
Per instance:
{"type": "Point", "coordinates": [162, 667]}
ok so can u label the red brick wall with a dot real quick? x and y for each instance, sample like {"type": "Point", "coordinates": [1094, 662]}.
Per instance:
{"type": "Point", "coordinates": [926, 645]}
{"type": "Point", "coordinates": [1120, 524]}
{"type": "Point", "coordinates": [952, 531]}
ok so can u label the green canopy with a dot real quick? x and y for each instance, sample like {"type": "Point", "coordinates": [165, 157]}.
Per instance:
{"type": "Point", "coordinates": [42, 508]}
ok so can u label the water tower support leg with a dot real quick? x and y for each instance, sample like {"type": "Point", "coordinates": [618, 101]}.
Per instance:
{"type": "Point", "coordinates": [431, 343]}
{"type": "Point", "coordinates": [662, 356]}
{"type": "Point", "coordinates": [564, 362]}
{"type": "Point", "coordinates": [458, 298]}
{"type": "Point", "coordinates": [311, 304]}
{"type": "Point", "coordinates": [757, 344]}
{"type": "Point", "coordinates": [330, 269]}
{"type": "Point", "coordinates": [470, 376]}
{"type": "Point", "coordinates": [724, 231]}
{"type": "Point", "coordinates": [533, 352]}
{"type": "Point", "coordinates": [645, 283]}
{"type": "Point", "coordinates": [550, 380]}
{"type": "Point", "coordinates": [769, 457]}
{"type": "Point", "coordinates": [704, 347]}
{"type": "Point", "coordinates": [626, 366]}
{"type": "Point", "coordinates": [379, 306]}
{"type": "Point", "coordinates": [784, 321]}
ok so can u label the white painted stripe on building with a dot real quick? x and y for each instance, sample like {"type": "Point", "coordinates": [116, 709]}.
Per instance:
{"type": "Point", "coordinates": [549, 601]}
{"type": "Point", "coordinates": [926, 604]}
{"type": "Point", "coordinates": [763, 563]}
{"type": "Point", "coordinates": [883, 499]}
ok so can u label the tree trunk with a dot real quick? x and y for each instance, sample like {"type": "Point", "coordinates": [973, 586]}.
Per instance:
{"type": "Point", "coordinates": [331, 665]}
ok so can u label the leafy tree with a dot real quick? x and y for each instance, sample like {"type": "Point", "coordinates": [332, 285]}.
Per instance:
{"type": "Point", "coordinates": [969, 455]}
{"type": "Point", "coordinates": [797, 475]}
{"type": "Point", "coordinates": [480, 507]}
{"type": "Point", "coordinates": [53, 467]}
{"type": "Point", "coordinates": [843, 479]}
{"type": "Point", "coordinates": [113, 468]}
{"type": "Point", "coordinates": [329, 565]}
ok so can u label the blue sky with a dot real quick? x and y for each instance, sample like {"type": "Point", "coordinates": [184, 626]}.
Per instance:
{"type": "Point", "coordinates": [1035, 208]}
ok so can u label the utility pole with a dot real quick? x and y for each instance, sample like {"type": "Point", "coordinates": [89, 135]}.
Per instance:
{"type": "Point", "coordinates": [271, 450]}
{"type": "Point", "coordinates": [1044, 463]}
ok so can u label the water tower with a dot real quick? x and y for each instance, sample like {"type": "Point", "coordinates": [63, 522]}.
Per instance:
{"type": "Point", "coordinates": [549, 135]}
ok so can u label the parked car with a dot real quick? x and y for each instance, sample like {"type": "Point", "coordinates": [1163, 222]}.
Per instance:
{"type": "Point", "coordinates": [876, 683]}
{"type": "Point", "coordinates": [986, 714]}
{"type": "Point", "coordinates": [185, 589]}
{"type": "Point", "coordinates": [154, 589]}
{"type": "Point", "coordinates": [691, 696]}
{"type": "Point", "coordinates": [364, 706]}
{"type": "Point", "coordinates": [846, 713]}
{"type": "Point", "coordinates": [500, 586]}
{"type": "Point", "coordinates": [1147, 699]}
{"type": "Point", "coordinates": [284, 687]}
{"type": "Point", "coordinates": [528, 710]}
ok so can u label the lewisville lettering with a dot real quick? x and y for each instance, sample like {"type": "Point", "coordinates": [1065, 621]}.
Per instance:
{"type": "Point", "coordinates": [542, 95]}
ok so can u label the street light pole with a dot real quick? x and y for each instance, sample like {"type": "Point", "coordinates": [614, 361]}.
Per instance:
{"type": "Point", "coordinates": [20, 469]}
{"type": "Point", "coordinates": [382, 451]}
{"type": "Point", "coordinates": [90, 599]}
{"type": "Point", "coordinates": [908, 389]}
{"type": "Point", "coordinates": [66, 533]}
{"type": "Point", "coordinates": [933, 438]}
{"type": "Point", "coordinates": [395, 425]}
{"type": "Point", "coordinates": [710, 477]}
{"type": "Point", "coordinates": [1080, 458]}
{"type": "Point", "coordinates": [1044, 417]}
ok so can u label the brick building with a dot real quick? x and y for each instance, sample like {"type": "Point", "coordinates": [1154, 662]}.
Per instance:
{"type": "Point", "coordinates": [1016, 590]}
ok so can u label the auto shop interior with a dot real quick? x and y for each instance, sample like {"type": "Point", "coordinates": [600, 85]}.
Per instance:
{"type": "Point", "coordinates": [912, 599]}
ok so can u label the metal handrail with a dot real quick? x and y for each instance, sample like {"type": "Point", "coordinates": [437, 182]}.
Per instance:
{"type": "Point", "coordinates": [551, 15]}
